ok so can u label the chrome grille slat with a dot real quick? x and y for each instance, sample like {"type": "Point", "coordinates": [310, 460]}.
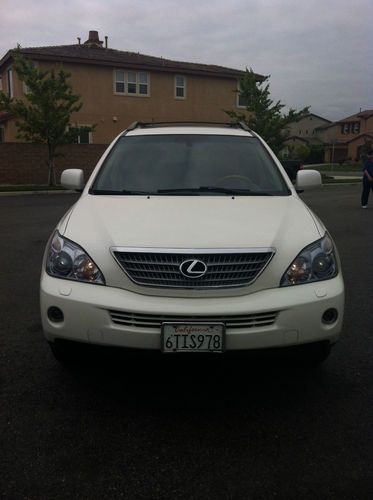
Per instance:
{"type": "Point", "coordinates": [155, 321]}
{"type": "Point", "coordinates": [227, 269]}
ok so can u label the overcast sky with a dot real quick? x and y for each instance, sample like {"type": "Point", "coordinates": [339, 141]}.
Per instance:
{"type": "Point", "coordinates": [318, 52]}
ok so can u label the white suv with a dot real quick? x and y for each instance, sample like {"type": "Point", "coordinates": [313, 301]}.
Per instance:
{"type": "Point", "coordinates": [191, 238]}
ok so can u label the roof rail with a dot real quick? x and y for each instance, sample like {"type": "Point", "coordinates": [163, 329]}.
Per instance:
{"type": "Point", "coordinates": [132, 126]}
{"type": "Point", "coordinates": [138, 124]}
{"type": "Point", "coordinates": [244, 126]}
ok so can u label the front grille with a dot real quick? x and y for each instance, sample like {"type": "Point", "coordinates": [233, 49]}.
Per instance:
{"type": "Point", "coordinates": [155, 320]}
{"type": "Point", "coordinates": [162, 269]}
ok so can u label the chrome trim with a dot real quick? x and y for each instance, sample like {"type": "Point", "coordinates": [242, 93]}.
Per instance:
{"type": "Point", "coordinates": [193, 274]}
{"type": "Point", "coordinates": [231, 321]}
{"type": "Point", "coordinates": [192, 250]}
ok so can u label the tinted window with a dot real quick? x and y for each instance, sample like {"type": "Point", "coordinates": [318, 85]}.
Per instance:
{"type": "Point", "coordinates": [156, 162]}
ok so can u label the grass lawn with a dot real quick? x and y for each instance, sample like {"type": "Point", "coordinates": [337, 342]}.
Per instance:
{"type": "Point", "coordinates": [335, 167]}
{"type": "Point", "coordinates": [331, 180]}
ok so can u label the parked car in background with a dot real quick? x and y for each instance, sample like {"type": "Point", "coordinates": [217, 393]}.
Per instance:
{"type": "Point", "coordinates": [190, 238]}
{"type": "Point", "coordinates": [292, 167]}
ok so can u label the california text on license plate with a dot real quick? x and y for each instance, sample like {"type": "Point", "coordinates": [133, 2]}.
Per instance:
{"type": "Point", "coordinates": [193, 337]}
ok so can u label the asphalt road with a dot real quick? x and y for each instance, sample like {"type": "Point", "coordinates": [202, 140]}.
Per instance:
{"type": "Point", "coordinates": [146, 429]}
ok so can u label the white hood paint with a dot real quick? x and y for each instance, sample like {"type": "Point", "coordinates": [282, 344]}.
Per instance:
{"type": "Point", "coordinates": [190, 221]}
{"type": "Point", "coordinates": [284, 223]}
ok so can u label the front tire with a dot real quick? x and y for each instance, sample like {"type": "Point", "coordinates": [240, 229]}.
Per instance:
{"type": "Point", "coordinates": [66, 353]}
{"type": "Point", "coordinates": [313, 355]}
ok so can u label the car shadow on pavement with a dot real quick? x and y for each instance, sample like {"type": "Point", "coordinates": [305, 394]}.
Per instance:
{"type": "Point", "coordinates": [120, 378]}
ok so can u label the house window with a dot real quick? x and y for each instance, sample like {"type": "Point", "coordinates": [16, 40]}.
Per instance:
{"type": "Point", "coordinates": [143, 83]}
{"type": "Point", "coordinates": [131, 82]}
{"type": "Point", "coordinates": [356, 128]}
{"type": "Point", "coordinates": [241, 101]}
{"type": "Point", "coordinates": [10, 82]}
{"type": "Point", "coordinates": [180, 87]}
{"type": "Point", "coordinates": [84, 137]}
{"type": "Point", "coordinates": [2, 135]}
{"type": "Point", "coordinates": [345, 128]}
{"type": "Point", "coordinates": [25, 88]}
{"type": "Point", "coordinates": [120, 84]}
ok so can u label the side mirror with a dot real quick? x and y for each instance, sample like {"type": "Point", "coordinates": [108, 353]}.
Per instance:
{"type": "Point", "coordinates": [307, 180]}
{"type": "Point", "coordinates": [72, 178]}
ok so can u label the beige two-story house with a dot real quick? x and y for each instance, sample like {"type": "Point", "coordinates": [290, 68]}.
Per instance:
{"type": "Point", "coordinates": [345, 138]}
{"type": "Point", "coordinates": [118, 87]}
{"type": "Point", "coordinates": [303, 132]}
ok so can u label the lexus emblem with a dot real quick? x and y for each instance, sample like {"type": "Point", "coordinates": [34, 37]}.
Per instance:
{"type": "Point", "coordinates": [193, 268]}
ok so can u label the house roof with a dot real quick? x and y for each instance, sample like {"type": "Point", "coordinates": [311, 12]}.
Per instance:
{"type": "Point", "coordinates": [98, 55]}
{"type": "Point", "coordinates": [353, 118]}
{"type": "Point", "coordinates": [297, 138]}
{"type": "Point", "coordinates": [370, 136]}
{"type": "Point", "coordinates": [316, 116]}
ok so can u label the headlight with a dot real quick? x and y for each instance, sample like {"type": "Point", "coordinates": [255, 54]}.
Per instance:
{"type": "Point", "coordinates": [66, 259]}
{"type": "Point", "coordinates": [316, 262]}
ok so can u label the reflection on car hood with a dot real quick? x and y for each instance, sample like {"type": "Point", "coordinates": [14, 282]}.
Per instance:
{"type": "Point", "coordinates": [190, 222]}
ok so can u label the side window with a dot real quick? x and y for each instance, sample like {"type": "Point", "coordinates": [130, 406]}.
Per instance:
{"type": "Point", "coordinates": [180, 87]}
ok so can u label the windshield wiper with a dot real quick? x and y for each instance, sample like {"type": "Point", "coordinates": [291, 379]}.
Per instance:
{"type": "Point", "coordinates": [186, 191]}
{"type": "Point", "coordinates": [118, 192]}
{"type": "Point", "coordinates": [203, 189]}
{"type": "Point", "coordinates": [214, 189]}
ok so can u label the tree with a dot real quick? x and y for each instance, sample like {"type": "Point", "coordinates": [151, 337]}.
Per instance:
{"type": "Point", "coordinates": [302, 152]}
{"type": "Point", "coordinates": [44, 116]}
{"type": "Point", "coordinates": [263, 115]}
{"type": "Point", "coordinates": [317, 153]}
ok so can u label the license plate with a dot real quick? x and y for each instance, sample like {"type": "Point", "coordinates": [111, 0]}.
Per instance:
{"type": "Point", "coordinates": [193, 337]}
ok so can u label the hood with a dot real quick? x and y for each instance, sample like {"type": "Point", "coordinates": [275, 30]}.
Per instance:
{"type": "Point", "coordinates": [189, 221]}
{"type": "Point", "coordinates": [284, 223]}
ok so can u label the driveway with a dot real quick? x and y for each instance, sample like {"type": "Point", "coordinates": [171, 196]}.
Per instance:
{"type": "Point", "coordinates": [145, 429]}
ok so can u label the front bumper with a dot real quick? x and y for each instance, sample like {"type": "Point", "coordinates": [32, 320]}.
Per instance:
{"type": "Point", "coordinates": [86, 307]}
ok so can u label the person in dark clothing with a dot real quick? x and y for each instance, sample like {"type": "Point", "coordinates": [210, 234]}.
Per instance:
{"type": "Point", "coordinates": [367, 179]}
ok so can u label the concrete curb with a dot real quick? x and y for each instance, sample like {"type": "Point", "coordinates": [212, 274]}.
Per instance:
{"type": "Point", "coordinates": [21, 193]}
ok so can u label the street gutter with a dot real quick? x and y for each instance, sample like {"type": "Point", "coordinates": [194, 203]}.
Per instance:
{"type": "Point", "coordinates": [20, 193]}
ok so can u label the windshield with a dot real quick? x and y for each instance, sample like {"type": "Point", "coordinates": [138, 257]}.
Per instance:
{"type": "Point", "coordinates": [189, 164]}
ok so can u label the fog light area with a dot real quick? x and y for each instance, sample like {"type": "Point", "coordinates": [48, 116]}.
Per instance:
{"type": "Point", "coordinates": [330, 316]}
{"type": "Point", "coordinates": [55, 314]}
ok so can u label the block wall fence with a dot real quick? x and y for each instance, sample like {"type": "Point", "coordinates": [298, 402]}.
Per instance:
{"type": "Point", "coordinates": [26, 163]}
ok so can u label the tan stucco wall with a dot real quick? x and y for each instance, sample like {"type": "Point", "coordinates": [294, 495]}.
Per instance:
{"type": "Point", "coordinates": [305, 127]}
{"type": "Point", "coordinates": [206, 100]}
